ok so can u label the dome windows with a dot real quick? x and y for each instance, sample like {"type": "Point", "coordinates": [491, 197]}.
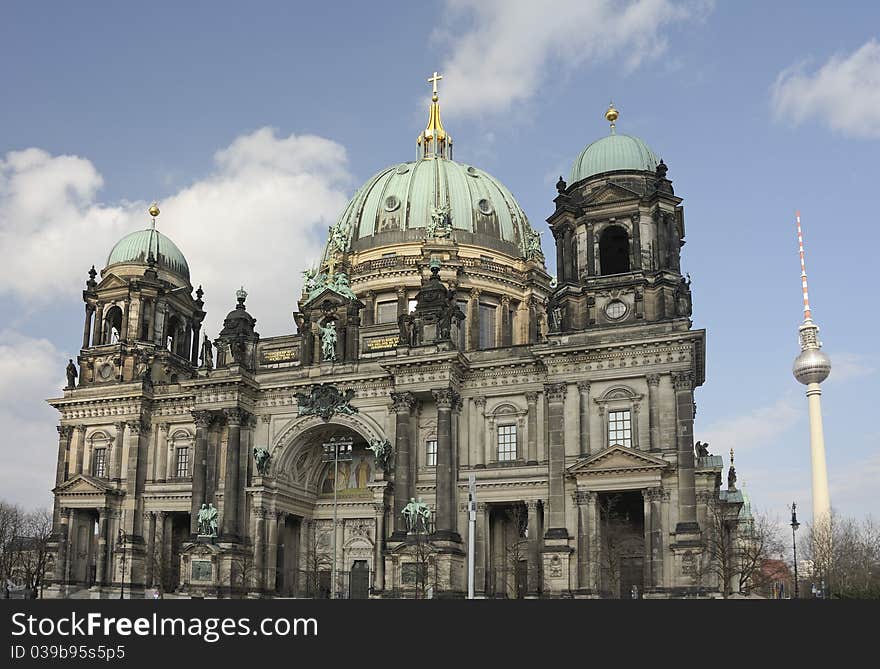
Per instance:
{"type": "Point", "coordinates": [485, 207]}
{"type": "Point", "coordinates": [392, 202]}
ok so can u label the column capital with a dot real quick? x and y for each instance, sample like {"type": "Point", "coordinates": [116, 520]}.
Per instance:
{"type": "Point", "coordinates": [260, 513]}
{"type": "Point", "coordinates": [505, 300]}
{"type": "Point", "coordinates": [203, 418]}
{"type": "Point", "coordinates": [64, 431]}
{"type": "Point", "coordinates": [653, 494]}
{"type": "Point", "coordinates": [683, 380]}
{"type": "Point", "coordinates": [584, 497]}
{"type": "Point", "coordinates": [532, 397]}
{"type": "Point", "coordinates": [403, 402]}
{"type": "Point", "coordinates": [266, 418]}
{"type": "Point", "coordinates": [555, 391]}
{"type": "Point", "coordinates": [81, 429]}
{"type": "Point", "coordinates": [380, 508]}
{"type": "Point", "coordinates": [583, 386]}
{"type": "Point", "coordinates": [653, 379]}
{"type": "Point", "coordinates": [446, 398]}
{"type": "Point", "coordinates": [480, 401]}
{"type": "Point", "coordinates": [532, 504]}
{"type": "Point", "coordinates": [475, 293]}
{"type": "Point", "coordinates": [136, 426]}
{"type": "Point", "coordinates": [236, 416]}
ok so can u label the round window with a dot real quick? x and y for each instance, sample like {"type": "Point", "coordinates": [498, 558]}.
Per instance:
{"type": "Point", "coordinates": [485, 206]}
{"type": "Point", "coordinates": [615, 310]}
{"type": "Point", "coordinates": [472, 171]}
{"type": "Point", "coordinates": [403, 168]}
{"type": "Point", "coordinates": [392, 202]}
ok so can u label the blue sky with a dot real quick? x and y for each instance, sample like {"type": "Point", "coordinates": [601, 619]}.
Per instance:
{"type": "Point", "coordinates": [253, 123]}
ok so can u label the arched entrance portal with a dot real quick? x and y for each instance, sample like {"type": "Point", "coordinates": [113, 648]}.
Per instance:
{"type": "Point", "coordinates": [333, 503]}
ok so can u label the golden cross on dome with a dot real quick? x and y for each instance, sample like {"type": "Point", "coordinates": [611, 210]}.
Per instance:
{"type": "Point", "coordinates": [433, 80]}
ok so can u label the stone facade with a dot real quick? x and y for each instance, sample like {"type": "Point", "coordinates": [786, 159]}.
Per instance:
{"type": "Point", "coordinates": [572, 406]}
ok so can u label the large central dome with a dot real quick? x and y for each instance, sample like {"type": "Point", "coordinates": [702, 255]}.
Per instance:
{"type": "Point", "coordinates": [434, 197]}
{"type": "Point", "coordinates": [406, 202]}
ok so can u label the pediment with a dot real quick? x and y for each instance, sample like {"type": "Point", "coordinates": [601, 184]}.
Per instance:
{"type": "Point", "coordinates": [611, 193]}
{"type": "Point", "coordinates": [617, 459]}
{"type": "Point", "coordinates": [333, 297]}
{"type": "Point", "coordinates": [112, 281]}
{"type": "Point", "coordinates": [82, 484]}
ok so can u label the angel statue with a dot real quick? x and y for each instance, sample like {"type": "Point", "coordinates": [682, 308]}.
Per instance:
{"type": "Point", "coordinates": [262, 458]}
{"type": "Point", "coordinates": [328, 341]}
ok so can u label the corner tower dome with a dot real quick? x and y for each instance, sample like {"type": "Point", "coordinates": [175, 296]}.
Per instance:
{"type": "Point", "coordinates": [434, 196]}
{"type": "Point", "coordinates": [613, 153]}
{"type": "Point", "coordinates": [137, 247]}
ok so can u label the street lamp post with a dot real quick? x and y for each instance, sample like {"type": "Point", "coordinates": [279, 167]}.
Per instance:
{"type": "Point", "coordinates": [121, 541]}
{"type": "Point", "coordinates": [334, 451]}
{"type": "Point", "coordinates": [794, 526]}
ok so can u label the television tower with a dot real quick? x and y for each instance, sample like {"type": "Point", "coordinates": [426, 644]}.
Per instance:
{"type": "Point", "coordinates": [812, 367]}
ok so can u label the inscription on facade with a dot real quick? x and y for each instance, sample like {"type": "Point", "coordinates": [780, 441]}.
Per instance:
{"type": "Point", "coordinates": [277, 355]}
{"type": "Point", "coordinates": [383, 343]}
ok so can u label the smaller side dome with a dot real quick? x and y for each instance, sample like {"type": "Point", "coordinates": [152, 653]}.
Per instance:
{"type": "Point", "coordinates": [613, 153]}
{"type": "Point", "coordinates": [135, 248]}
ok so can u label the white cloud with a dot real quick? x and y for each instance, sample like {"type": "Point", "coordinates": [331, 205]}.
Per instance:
{"type": "Point", "coordinates": [846, 366]}
{"type": "Point", "coordinates": [503, 50]}
{"type": "Point", "coordinates": [758, 428]}
{"type": "Point", "coordinates": [30, 370]}
{"type": "Point", "coordinates": [844, 93]}
{"type": "Point", "coordinates": [258, 219]}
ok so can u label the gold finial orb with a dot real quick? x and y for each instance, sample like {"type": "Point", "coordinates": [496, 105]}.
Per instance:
{"type": "Point", "coordinates": [612, 114]}
{"type": "Point", "coordinates": [154, 210]}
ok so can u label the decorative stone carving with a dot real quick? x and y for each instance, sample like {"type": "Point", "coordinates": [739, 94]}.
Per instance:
{"type": "Point", "coordinates": [683, 380]}
{"type": "Point", "coordinates": [262, 460]}
{"type": "Point", "coordinates": [653, 379]}
{"type": "Point", "coordinates": [203, 419]}
{"type": "Point", "coordinates": [402, 402]}
{"type": "Point", "coordinates": [446, 398]}
{"type": "Point", "coordinates": [555, 392]}
{"type": "Point", "coordinates": [325, 400]}
{"type": "Point", "coordinates": [381, 452]}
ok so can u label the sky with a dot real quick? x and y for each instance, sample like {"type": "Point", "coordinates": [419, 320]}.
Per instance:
{"type": "Point", "coordinates": [252, 124]}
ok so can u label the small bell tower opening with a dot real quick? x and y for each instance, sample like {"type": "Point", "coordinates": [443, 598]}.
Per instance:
{"type": "Point", "coordinates": [614, 251]}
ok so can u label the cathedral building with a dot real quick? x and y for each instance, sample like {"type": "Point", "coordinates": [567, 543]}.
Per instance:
{"type": "Point", "coordinates": [442, 393]}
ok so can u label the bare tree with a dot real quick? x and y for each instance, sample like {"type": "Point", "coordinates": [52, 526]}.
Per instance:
{"type": "Point", "coordinates": [242, 571]}
{"type": "Point", "coordinates": [316, 567]}
{"type": "Point", "coordinates": [515, 552]}
{"type": "Point", "coordinates": [737, 548]}
{"type": "Point", "coordinates": [845, 557]}
{"type": "Point", "coordinates": [11, 521]}
{"type": "Point", "coordinates": [31, 554]}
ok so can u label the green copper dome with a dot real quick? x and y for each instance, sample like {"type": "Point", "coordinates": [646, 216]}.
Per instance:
{"type": "Point", "coordinates": [135, 248]}
{"type": "Point", "coordinates": [417, 198]}
{"type": "Point", "coordinates": [613, 153]}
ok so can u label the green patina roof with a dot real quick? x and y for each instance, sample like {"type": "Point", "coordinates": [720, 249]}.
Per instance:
{"type": "Point", "coordinates": [612, 153]}
{"type": "Point", "coordinates": [403, 197]}
{"type": "Point", "coordinates": [135, 248]}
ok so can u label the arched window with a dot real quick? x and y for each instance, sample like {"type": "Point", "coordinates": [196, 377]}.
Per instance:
{"type": "Point", "coordinates": [614, 250]}
{"type": "Point", "coordinates": [172, 334]}
{"type": "Point", "coordinates": [112, 325]}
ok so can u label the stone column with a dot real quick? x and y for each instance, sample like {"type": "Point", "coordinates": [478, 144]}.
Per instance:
{"type": "Point", "coordinates": [150, 518]}
{"type": "Point", "coordinates": [532, 448]}
{"type": "Point", "coordinates": [162, 452]}
{"type": "Point", "coordinates": [64, 435]}
{"type": "Point", "coordinates": [402, 302]}
{"type": "Point", "coordinates": [506, 327]}
{"type": "Point", "coordinates": [272, 551]}
{"type": "Point", "coordinates": [555, 393]}
{"type": "Point", "coordinates": [379, 559]}
{"type": "Point", "coordinates": [87, 327]}
{"type": "Point", "coordinates": [370, 308]}
{"type": "Point", "coordinates": [559, 238]}
{"type": "Point", "coordinates": [80, 431]}
{"type": "Point", "coordinates": [231, 486]}
{"type": "Point", "coordinates": [481, 542]}
{"type": "Point", "coordinates": [134, 477]}
{"type": "Point", "coordinates": [533, 548]}
{"type": "Point", "coordinates": [479, 432]}
{"type": "Point", "coordinates": [684, 412]}
{"type": "Point", "coordinates": [654, 411]}
{"type": "Point", "coordinates": [159, 552]}
{"type": "Point", "coordinates": [446, 522]}
{"type": "Point", "coordinates": [260, 548]}
{"type": "Point", "coordinates": [98, 332]}
{"type": "Point", "coordinates": [654, 535]}
{"type": "Point", "coordinates": [126, 310]}
{"type": "Point", "coordinates": [69, 545]}
{"type": "Point", "coordinates": [403, 404]}
{"type": "Point", "coordinates": [101, 557]}
{"type": "Point", "coordinates": [584, 394]}
{"type": "Point", "coordinates": [203, 421]}
{"type": "Point", "coordinates": [340, 557]}
{"type": "Point", "coordinates": [473, 321]}
{"type": "Point", "coordinates": [586, 505]}
{"type": "Point", "coordinates": [116, 453]}
{"type": "Point", "coordinates": [195, 344]}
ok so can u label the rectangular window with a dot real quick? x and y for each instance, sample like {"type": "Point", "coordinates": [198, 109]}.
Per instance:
{"type": "Point", "coordinates": [99, 458]}
{"type": "Point", "coordinates": [506, 442]}
{"type": "Point", "coordinates": [619, 428]}
{"type": "Point", "coordinates": [386, 312]}
{"type": "Point", "coordinates": [182, 462]}
{"type": "Point", "coordinates": [431, 453]}
{"type": "Point", "coordinates": [487, 326]}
